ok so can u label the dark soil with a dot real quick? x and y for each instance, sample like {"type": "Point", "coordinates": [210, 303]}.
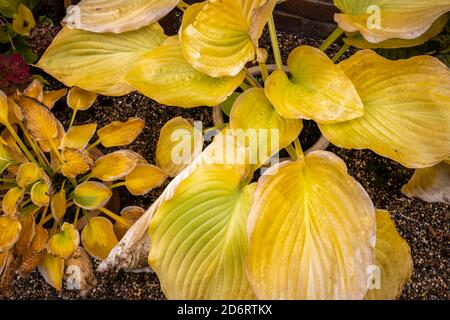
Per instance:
{"type": "Point", "coordinates": [425, 226]}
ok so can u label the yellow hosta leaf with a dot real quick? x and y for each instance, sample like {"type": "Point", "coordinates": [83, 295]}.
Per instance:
{"type": "Point", "coordinates": [65, 243]}
{"type": "Point", "coordinates": [52, 270]}
{"type": "Point", "coordinates": [51, 97]}
{"type": "Point", "coordinates": [199, 237]}
{"type": "Point", "coordinates": [406, 109]}
{"type": "Point", "coordinates": [379, 20]}
{"type": "Point", "coordinates": [23, 21]}
{"type": "Point", "coordinates": [317, 90]}
{"type": "Point", "coordinates": [358, 41]}
{"type": "Point", "coordinates": [393, 258]}
{"type": "Point", "coordinates": [220, 37]}
{"type": "Point", "coordinates": [58, 205]}
{"type": "Point", "coordinates": [9, 232]}
{"type": "Point", "coordinates": [79, 99]}
{"type": "Point", "coordinates": [40, 194]}
{"type": "Point", "coordinates": [35, 90]}
{"type": "Point", "coordinates": [11, 201]}
{"type": "Point", "coordinates": [253, 113]}
{"type": "Point", "coordinates": [114, 166]}
{"type": "Point", "coordinates": [98, 62]}
{"type": "Point", "coordinates": [178, 145]}
{"type": "Point", "coordinates": [78, 137]}
{"type": "Point", "coordinates": [119, 133]}
{"type": "Point", "coordinates": [131, 215]}
{"type": "Point", "coordinates": [98, 237]}
{"type": "Point", "coordinates": [26, 235]}
{"type": "Point", "coordinates": [27, 174]}
{"type": "Point", "coordinates": [91, 195]}
{"type": "Point", "coordinates": [77, 162]}
{"type": "Point", "coordinates": [165, 76]}
{"type": "Point", "coordinates": [3, 108]}
{"type": "Point", "coordinates": [312, 231]}
{"type": "Point", "coordinates": [41, 123]}
{"type": "Point", "coordinates": [117, 15]}
{"type": "Point", "coordinates": [144, 178]}
{"type": "Point", "coordinates": [430, 184]}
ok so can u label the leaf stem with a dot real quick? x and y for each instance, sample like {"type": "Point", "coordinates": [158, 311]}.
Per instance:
{"type": "Point", "coordinates": [340, 53]}
{"type": "Point", "coordinates": [77, 214]}
{"type": "Point", "coordinates": [44, 213]}
{"type": "Point", "coordinates": [114, 216]}
{"type": "Point", "coordinates": [298, 150]}
{"type": "Point", "coordinates": [264, 72]}
{"type": "Point", "coordinates": [275, 46]}
{"type": "Point", "coordinates": [251, 79]}
{"type": "Point", "coordinates": [72, 120]}
{"type": "Point", "coordinates": [20, 143]}
{"type": "Point", "coordinates": [118, 184]}
{"type": "Point", "coordinates": [94, 144]}
{"type": "Point", "coordinates": [182, 6]}
{"type": "Point", "coordinates": [291, 150]}
{"type": "Point", "coordinates": [331, 39]}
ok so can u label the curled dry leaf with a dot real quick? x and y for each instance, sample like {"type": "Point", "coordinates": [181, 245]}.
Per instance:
{"type": "Point", "coordinates": [40, 193]}
{"type": "Point", "coordinates": [117, 15]}
{"type": "Point", "coordinates": [430, 184]}
{"type": "Point", "coordinates": [11, 201]}
{"type": "Point", "coordinates": [79, 99]}
{"type": "Point", "coordinates": [131, 215]}
{"type": "Point", "coordinates": [78, 137]}
{"type": "Point", "coordinates": [79, 274]}
{"type": "Point", "coordinates": [52, 269]}
{"type": "Point", "coordinates": [35, 90]}
{"type": "Point", "coordinates": [65, 243]}
{"type": "Point", "coordinates": [26, 235]}
{"type": "Point", "coordinates": [117, 133]}
{"type": "Point", "coordinates": [41, 123]}
{"type": "Point", "coordinates": [91, 195]}
{"type": "Point", "coordinates": [114, 166]}
{"type": "Point", "coordinates": [144, 178]}
{"type": "Point", "coordinates": [32, 258]}
{"type": "Point", "coordinates": [58, 205]}
{"type": "Point", "coordinates": [51, 97]}
{"type": "Point", "coordinates": [28, 173]}
{"type": "Point", "coordinates": [76, 162]}
{"type": "Point", "coordinates": [10, 229]}
{"type": "Point", "coordinates": [318, 89]}
{"type": "Point", "coordinates": [98, 237]}
{"type": "Point", "coordinates": [178, 144]}
{"type": "Point", "coordinates": [393, 259]}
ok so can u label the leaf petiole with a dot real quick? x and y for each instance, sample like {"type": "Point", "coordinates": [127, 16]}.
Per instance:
{"type": "Point", "coordinates": [275, 46]}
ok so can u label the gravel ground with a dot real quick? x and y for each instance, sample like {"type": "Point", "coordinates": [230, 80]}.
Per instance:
{"type": "Point", "coordinates": [425, 226]}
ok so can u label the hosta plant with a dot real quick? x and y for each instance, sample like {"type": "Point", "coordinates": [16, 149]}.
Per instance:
{"type": "Point", "coordinates": [56, 187]}
{"type": "Point", "coordinates": [305, 229]}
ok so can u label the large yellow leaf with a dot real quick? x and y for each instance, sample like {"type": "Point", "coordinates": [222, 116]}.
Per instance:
{"type": "Point", "coordinates": [199, 238]}
{"type": "Point", "coordinates": [312, 232]}
{"type": "Point", "coordinates": [119, 133]}
{"type": "Point", "coordinates": [178, 145]}
{"type": "Point", "coordinates": [379, 20]}
{"type": "Point", "coordinates": [144, 178]}
{"type": "Point", "coordinates": [98, 237]}
{"type": "Point", "coordinates": [393, 259]}
{"type": "Point", "coordinates": [77, 137]}
{"type": "Point", "coordinates": [165, 76]}
{"type": "Point", "coordinates": [91, 195]}
{"type": "Point", "coordinates": [11, 201]}
{"type": "Point", "coordinates": [114, 166]}
{"type": "Point", "coordinates": [430, 184]}
{"type": "Point", "coordinates": [406, 109]}
{"type": "Point", "coordinates": [65, 243]}
{"type": "Point", "coordinates": [266, 130]}
{"type": "Point", "coordinates": [10, 229]}
{"type": "Point", "coordinates": [317, 90]}
{"type": "Point", "coordinates": [40, 194]}
{"type": "Point", "coordinates": [41, 123]}
{"type": "Point", "coordinates": [358, 41]}
{"type": "Point", "coordinates": [117, 15]}
{"type": "Point", "coordinates": [52, 269]}
{"type": "Point", "coordinates": [98, 62]}
{"type": "Point", "coordinates": [220, 37]}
